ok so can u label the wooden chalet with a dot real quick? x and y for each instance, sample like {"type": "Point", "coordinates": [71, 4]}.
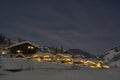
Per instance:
{"type": "Point", "coordinates": [22, 49]}
{"type": "Point", "coordinates": [64, 58]}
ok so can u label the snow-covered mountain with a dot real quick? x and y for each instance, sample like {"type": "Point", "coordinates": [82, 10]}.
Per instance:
{"type": "Point", "coordinates": [112, 57]}
{"type": "Point", "coordinates": [79, 53]}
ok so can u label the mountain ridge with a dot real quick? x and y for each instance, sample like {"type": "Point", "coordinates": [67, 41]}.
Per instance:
{"type": "Point", "coordinates": [79, 52]}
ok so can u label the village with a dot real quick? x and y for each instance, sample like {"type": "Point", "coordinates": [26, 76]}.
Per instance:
{"type": "Point", "coordinates": [29, 51]}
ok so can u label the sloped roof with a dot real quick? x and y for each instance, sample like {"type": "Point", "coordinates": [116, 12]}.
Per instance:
{"type": "Point", "coordinates": [43, 54]}
{"type": "Point", "coordinates": [65, 55]}
{"type": "Point", "coordinates": [20, 43]}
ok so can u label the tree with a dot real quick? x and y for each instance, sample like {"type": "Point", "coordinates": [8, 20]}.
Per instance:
{"type": "Point", "coordinates": [56, 50]}
{"type": "Point", "coordinates": [61, 50]}
{"type": "Point", "coordinates": [9, 42]}
{"type": "Point", "coordinates": [2, 39]}
{"type": "Point", "coordinates": [20, 39]}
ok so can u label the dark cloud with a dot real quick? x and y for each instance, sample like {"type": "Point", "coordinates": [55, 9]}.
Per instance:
{"type": "Point", "coordinates": [91, 25]}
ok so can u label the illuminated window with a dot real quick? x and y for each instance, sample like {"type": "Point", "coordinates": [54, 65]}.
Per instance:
{"type": "Point", "coordinates": [19, 51]}
{"type": "Point", "coordinates": [3, 53]}
{"type": "Point", "coordinates": [30, 47]}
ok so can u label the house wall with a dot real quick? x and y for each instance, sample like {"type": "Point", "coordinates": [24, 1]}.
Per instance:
{"type": "Point", "coordinates": [23, 49]}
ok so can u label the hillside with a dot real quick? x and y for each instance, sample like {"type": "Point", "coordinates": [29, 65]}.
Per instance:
{"type": "Point", "coordinates": [112, 57]}
{"type": "Point", "coordinates": [81, 53]}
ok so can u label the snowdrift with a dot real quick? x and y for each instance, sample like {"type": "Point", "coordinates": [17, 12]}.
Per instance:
{"type": "Point", "coordinates": [26, 64]}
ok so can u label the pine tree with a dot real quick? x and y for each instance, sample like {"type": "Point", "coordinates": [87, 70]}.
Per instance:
{"type": "Point", "coordinates": [61, 50]}
{"type": "Point", "coordinates": [2, 39]}
{"type": "Point", "coordinates": [20, 39]}
{"type": "Point", "coordinates": [9, 42]}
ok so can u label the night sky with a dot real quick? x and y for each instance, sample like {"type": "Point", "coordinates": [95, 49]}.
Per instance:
{"type": "Point", "coordinates": [90, 25]}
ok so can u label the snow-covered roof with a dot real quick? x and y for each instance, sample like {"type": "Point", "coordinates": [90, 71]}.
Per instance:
{"type": "Point", "coordinates": [65, 55]}
{"type": "Point", "coordinates": [43, 54]}
{"type": "Point", "coordinates": [77, 59]}
{"type": "Point", "coordinates": [16, 44]}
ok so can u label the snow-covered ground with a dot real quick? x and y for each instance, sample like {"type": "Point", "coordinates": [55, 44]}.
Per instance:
{"type": "Point", "coordinates": [26, 64]}
{"type": "Point", "coordinates": [115, 64]}
{"type": "Point", "coordinates": [32, 70]}
{"type": "Point", "coordinates": [81, 74]}
{"type": "Point", "coordinates": [111, 55]}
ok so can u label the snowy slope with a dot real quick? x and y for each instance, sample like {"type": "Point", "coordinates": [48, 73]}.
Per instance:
{"type": "Point", "coordinates": [33, 70]}
{"type": "Point", "coordinates": [115, 63]}
{"type": "Point", "coordinates": [25, 64]}
{"type": "Point", "coordinates": [80, 53]}
{"type": "Point", "coordinates": [110, 74]}
{"type": "Point", "coordinates": [113, 57]}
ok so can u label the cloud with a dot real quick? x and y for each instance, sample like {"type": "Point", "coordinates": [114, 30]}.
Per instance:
{"type": "Point", "coordinates": [89, 25]}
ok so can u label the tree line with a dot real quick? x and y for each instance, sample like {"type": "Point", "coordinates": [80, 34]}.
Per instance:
{"type": "Point", "coordinates": [4, 40]}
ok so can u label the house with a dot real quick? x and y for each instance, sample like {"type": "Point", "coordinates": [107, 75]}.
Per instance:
{"type": "Point", "coordinates": [99, 64]}
{"type": "Point", "coordinates": [78, 61]}
{"type": "Point", "coordinates": [25, 48]}
{"type": "Point", "coordinates": [63, 58]}
{"type": "Point", "coordinates": [36, 57]}
{"type": "Point", "coordinates": [47, 56]}
{"type": "Point", "coordinates": [60, 56]}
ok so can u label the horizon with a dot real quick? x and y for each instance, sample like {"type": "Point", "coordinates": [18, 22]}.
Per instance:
{"type": "Point", "coordinates": [92, 26]}
{"type": "Point", "coordinates": [51, 45]}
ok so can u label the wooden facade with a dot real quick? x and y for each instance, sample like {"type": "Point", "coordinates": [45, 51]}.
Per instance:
{"type": "Point", "coordinates": [25, 48]}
